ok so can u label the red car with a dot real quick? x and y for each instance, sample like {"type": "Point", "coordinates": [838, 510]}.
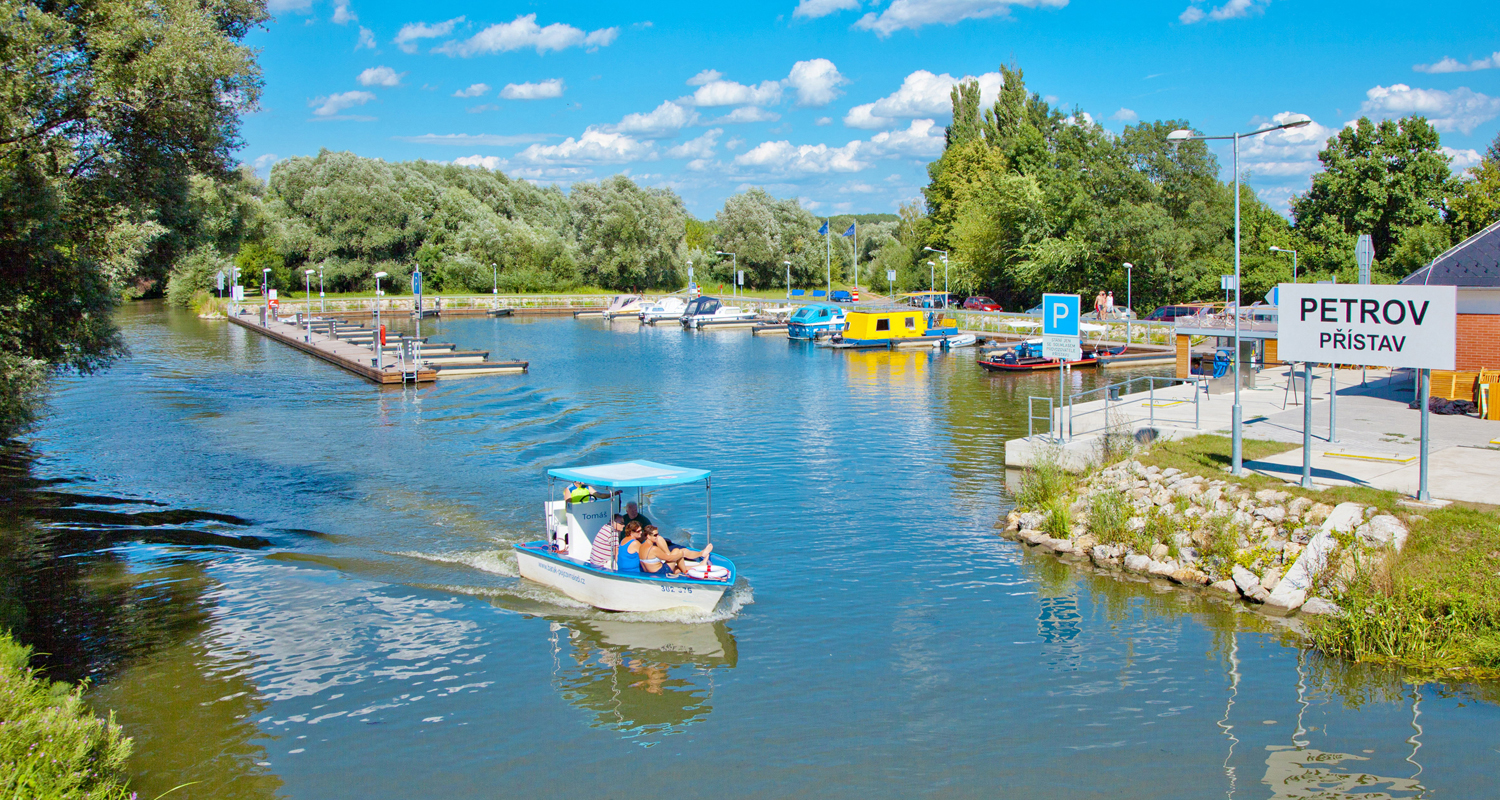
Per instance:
{"type": "Point", "coordinates": [981, 303]}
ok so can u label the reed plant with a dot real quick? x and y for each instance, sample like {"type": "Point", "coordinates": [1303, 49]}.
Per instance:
{"type": "Point", "coordinates": [52, 746]}
{"type": "Point", "coordinates": [1059, 522]}
{"type": "Point", "coordinates": [1043, 481]}
{"type": "Point", "coordinates": [1109, 517]}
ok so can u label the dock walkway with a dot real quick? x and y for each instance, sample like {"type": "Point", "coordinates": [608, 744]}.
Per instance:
{"type": "Point", "coordinates": [351, 348]}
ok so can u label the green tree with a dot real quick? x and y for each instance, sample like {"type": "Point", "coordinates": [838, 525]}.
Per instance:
{"type": "Point", "coordinates": [1384, 179]}
{"type": "Point", "coordinates": [110, 108]}
{"type": "Point", "coordinates": [1475, 204]}
{"type": "Point", "coordinates": [628, 236]}
{"type": "Point", "coordinates": [765, 232]}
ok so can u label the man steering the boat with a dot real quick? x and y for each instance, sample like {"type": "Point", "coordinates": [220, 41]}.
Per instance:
{"type": "Point", "coordinates": [580, 492]}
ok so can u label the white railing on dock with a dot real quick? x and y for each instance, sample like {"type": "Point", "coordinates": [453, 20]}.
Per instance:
{"type": "Point", "coordinates": [1071, 422]}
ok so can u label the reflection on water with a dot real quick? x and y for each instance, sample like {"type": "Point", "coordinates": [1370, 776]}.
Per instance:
{"type": "Point", "coordinates": [640, 678]}
{"type": "Point", "coordinates": [303, 587]}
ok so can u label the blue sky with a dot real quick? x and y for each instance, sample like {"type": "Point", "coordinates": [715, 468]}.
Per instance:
{"type": "Point", "coordinates": [841, 103]}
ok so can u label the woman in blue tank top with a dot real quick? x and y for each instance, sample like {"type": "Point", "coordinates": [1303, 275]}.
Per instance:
{"type": "Point", "coordinates": [628, 559]}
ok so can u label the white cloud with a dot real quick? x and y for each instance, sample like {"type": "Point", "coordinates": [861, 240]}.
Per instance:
{"type": "Point", "coordinates": [341, 13]}
{"type": "Point", "coordinates": [475, 139]}
{"type": "Point", "coordinates": [1234, 9]}
{"type": "Point", "coordinates": [706, 76]}
{"type": "Point", "coordinates": [699, 148]}
{"type": "Point", "coordinates": [491, 163]}
{"type": "Point", "coordinates": [664, 121]}
{"type": "Point", "coordinates": [334, 103]}
{"type": "Point", "coordinates": [523, 33]}
{"type": "Point", "coordinates": [1449, 64]}
{"type": "Point", "coordinates": [1462, 159]}
{"type": "Point", "coordinates": [817, 82]}
{"type": "Point", "coordinates": [550, 88]}
{"type": "Point", "coordinates": [263, 163]}
{"type": "Point", "coordinates": [745, 114]}
{"type": "Point", "coordinates": [720, 92]}
{"type": "Point", "coordinates": [1460, 110]}
{"type": "Point", "coordinates": [922, 94]}
{"type": "Point", "coordinates": [913, 14]}
{"type": "Point", "coordinates": [411, 32]}
{"type": "Point", "coordinates": [474, 90]}
{"type": "Point", "coordinates": [482, 108]}
{"type": "Point", "coordinates": [785, 158]}
{"type": "Point", "coordinates": [821, 121]}
{"type": "Point", "coordinates": [812, 9]}
{"type": "Point", "coordinates": [549, 174]}
{"type": "Point", "coordinates": [1289, 153]}
{"type": "Point", "coordinates": [366, 39]}
{"type": "Point", "coordinates": [380, 76]}
{"type": "Point", "coordinates": [923, 138]}
{"type": "Point", "coordinates": [593, 147]}
{"type": "Point", "coordinates": [1124, 115]}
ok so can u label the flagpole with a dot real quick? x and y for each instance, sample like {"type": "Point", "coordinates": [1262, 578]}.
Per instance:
{"type": "Point", "coordinates": [828, 254]}
{"type": "Point", "coordinates": [856, 256]}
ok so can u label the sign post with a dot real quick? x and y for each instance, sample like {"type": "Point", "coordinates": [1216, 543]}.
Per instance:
{"type": "Point", "coordinates": [1364, 255]}
{"type": "Point", "coordinates": [1412, 327]}
{"type": "Point", "coordinates": [1060, 340]}
{"type": "Point", "coordinates": [416, 289]}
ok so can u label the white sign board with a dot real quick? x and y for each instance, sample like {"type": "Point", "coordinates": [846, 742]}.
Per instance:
{"type": "Point", "coordinates": [1374, 326]}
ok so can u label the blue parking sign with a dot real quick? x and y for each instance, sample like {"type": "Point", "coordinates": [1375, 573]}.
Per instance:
{"type": "Point", "coordinates": [1059, 315]}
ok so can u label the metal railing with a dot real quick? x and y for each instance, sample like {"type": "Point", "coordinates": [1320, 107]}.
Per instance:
{"type": "Point", "coordinates": [1031, 416]}
{"type": "Point", "coordinates": [1070, 422]}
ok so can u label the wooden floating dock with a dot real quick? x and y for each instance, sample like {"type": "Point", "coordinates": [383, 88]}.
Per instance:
{"type": "Point", "coordinates": [349, 347]}
{"type": "Point", "coordinates": [769, 329]}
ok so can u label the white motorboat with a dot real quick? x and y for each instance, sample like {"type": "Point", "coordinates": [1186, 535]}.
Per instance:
{"type": "Point", "coordinates": [705, 312]}
{"type": "Point", "coordinates": [561, 560]}
{"type": "Point", "coordinates": [957, 340]}
{"type": "Point", "coordinates": [665, 308]}
{"type": "Point", "coordinates": [623, 306]}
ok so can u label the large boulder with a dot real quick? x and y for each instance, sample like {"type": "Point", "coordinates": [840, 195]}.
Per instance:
{"type": "Point", "coordinates": [1318, 605]}
{"type": "Point", "coordinates": [1249, 584]}
{"type": "Point", "coordinates": [1137, 563]}
{"type": "Point", "coordinates": [1291, 591]}
{"type": "Point", "coordinates": [1383, 530]}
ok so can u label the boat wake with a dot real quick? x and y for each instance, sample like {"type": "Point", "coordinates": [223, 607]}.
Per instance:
{"type": "Point", "coordinates": [532, 598]}
{"type": "Point", "coordinates": [495, 561]}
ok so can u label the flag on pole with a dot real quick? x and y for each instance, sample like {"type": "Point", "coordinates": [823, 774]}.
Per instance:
{"type": "Point", "coordinates": [823, 231]}
{"type": "Point", "coordinates": [849, 232]}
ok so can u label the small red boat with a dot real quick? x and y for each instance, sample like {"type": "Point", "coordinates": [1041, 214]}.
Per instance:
{"type": "Point", "coordinates": [1033, 364]}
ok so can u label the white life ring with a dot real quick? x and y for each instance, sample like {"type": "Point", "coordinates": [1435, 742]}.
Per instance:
{"type": "Point", "coordinates": [708, 572]}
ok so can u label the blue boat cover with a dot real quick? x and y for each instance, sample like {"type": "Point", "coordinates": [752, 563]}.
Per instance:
{"type": "Point", "coordinates": [630, 474]}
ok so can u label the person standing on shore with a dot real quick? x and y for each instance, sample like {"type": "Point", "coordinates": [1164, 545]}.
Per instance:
{"type": "Point", "coordinates": [1099, 305]}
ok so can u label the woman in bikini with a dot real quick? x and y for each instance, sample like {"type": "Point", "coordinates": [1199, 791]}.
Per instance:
{"type": "Point", "coordinates": [656, 556]}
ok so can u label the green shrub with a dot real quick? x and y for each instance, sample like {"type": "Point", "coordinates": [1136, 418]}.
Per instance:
{"type": "Point", "coordinates": [1059, 523]}
{"type": "Point", "coordinates": [1042, 482]}
{"type": "Point", "coordinates": [51, 745]}
{"type": "Point", "coordinates": [1109, 514]}
{"type": "Point", "coordinates": [195, 273]}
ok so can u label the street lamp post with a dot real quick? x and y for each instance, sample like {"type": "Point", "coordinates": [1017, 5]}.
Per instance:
{"type": "Point", "coordinates": [734, 274]}
{"type": "Point", "coordinates": [788, 279]}
{"type": "Point", "coordinates": [307, 292]}
{"type": "Point", "coordinates": [265, 290]}
{"type": "Point", "coordinates": [690, 279]}
{"type": "Point", "coordinates": [945, 271]}
{"type": "Point", "coordinates": [379, 349]}
{"type": "Point", "coordinates": [1237, 466]}
{"type": "Point", "coordinates": [494, 280]}
{"type": "Point", "coordinates": [321, 307]}
{"type": "Point", "coordinates": [1276, 249]}
{"type": "Point", "coordinates": [931, 276]}
{"type": "Point", "coordinates": [1129, 309]}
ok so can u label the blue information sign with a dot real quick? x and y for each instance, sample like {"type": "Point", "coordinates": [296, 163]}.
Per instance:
{"type": "Point", "coordinates": [416, 282]}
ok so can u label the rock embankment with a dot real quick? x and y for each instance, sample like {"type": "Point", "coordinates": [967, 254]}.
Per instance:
{"type": "Point", "coordinates": [1287, 553]}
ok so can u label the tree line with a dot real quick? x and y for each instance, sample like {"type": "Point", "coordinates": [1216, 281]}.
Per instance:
{"type": "Point", "coordinates": [118, 181]}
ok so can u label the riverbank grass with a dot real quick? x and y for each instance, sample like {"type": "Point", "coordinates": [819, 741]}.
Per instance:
{"type": "Point", "coordinates": [52, 746]}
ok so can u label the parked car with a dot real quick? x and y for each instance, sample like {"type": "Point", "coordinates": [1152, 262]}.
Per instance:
{"type": "Point", "coordinates": [841, 296]}
{"type": "Point", "coordinates": [1169, 313]}
{"type": "Point", "coordinates": [1034, 311]}
{"type": "Point", "coordinates": [981, 303]}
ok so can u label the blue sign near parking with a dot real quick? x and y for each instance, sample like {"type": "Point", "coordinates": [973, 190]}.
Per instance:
{"type": "Point", "coordinates": [1059, 315]}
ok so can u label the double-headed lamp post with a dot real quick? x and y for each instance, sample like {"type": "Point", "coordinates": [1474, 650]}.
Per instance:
{"type": "Point", "coordinates": [734, 270]}
{"type": "Point", "coordinates": [1237, 465]}
{"type": "Point", "coordinates": [945, 271]}
{"type": "Point", "coordinates": [307, 292]}
{"type": "Point", "coordinates": [1276, 249]}
{"type": "Point", "coordinates": [379, 350]}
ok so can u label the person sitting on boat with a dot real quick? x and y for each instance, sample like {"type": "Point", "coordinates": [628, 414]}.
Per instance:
{"type": "Point", "coordinates": [633, 514]}
{"type": "Point", "coordinates": [629, 557]}
{"type": "Point", "coordinates": [658, 558]}
{"type": "Point", "coordinates": [606, 541]}
{"type": "Point", "coordinates": [580, 492]}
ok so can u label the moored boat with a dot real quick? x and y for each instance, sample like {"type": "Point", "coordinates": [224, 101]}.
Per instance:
{"type": "Point", "coordinates": [624, 306]}
{"type": "Point", "coordinates": [665, 308]}
{"type": "Point", "coordinates": [1027, 357]}
{"type": "Point", "coordinates": [704, 312]}
{"type": "Point", "coordinates": [816, 320]}
{"type": "Point", "coordinates": [561, 560]}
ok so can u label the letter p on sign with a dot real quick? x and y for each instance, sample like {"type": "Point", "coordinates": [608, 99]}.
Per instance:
{"type": "Point", "coordinates": [1060, 314]}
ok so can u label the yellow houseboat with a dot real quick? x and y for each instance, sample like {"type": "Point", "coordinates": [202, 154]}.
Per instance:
{"type": "Point", "coordinates": [902, 328]}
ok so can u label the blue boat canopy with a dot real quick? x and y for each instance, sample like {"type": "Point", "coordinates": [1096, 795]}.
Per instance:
{"type": "Point", "coordinates": [631, 474]}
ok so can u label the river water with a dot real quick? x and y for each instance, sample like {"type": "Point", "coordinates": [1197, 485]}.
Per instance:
{"type": "Point", "coordinates": [288, 583]}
